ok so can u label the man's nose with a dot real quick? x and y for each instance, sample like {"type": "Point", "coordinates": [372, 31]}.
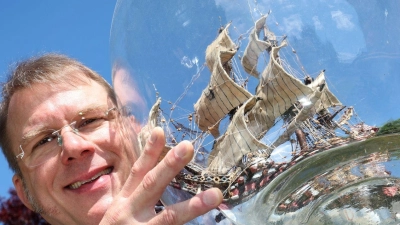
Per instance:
{"type": "Point", "coordinates": [74, 146]}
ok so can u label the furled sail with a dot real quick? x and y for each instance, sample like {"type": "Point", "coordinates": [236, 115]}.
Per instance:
{"type": "Point", "coordinates": [237, 141]}
{"type": "Point", "coordinates": [278, 91]}
{"type": "Point", "coordinates": [346, 116]}
{"type": "Point", "coordinates": [256, 46]}
{"type": "Point", "coordinates": [145, 132]}
{"type": "Point", "coordinates": [222, 94]}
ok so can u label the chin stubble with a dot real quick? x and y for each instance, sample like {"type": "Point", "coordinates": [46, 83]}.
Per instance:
{"type": "Point", "coordinates": [32, 201]}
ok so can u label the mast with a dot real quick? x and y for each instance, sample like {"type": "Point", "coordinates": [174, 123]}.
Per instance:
{"type": "Point", "coordinates": [301, 139]}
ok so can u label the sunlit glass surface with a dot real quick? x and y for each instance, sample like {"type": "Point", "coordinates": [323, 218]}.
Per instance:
{"type": "Point", "coordinates": [325, 76]}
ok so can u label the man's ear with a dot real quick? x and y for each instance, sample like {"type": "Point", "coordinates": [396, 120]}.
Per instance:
{"type": "Point", "coordinates": [19, 187]}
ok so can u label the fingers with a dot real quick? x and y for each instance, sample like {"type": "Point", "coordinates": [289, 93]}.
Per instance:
{"type": "Point", "coordinates": [186, 211]}
{"type": "Point", "coordinates": [154, 146]}
{"type": "Point", "coordinates": [146, 161]}
{"type": "Point", "coordinates": [155, 181]}
{"type": "Point", "coordinates": [148, 180]}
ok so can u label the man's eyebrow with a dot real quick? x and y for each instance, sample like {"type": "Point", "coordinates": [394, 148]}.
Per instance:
{"type": "Point", "coordinates": [91, 108]}
{"type": "Point", "coordinates": [32, 134]}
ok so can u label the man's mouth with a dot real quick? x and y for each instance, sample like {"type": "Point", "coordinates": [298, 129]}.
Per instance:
{"type": "Point", "coordinates": [78, 184]}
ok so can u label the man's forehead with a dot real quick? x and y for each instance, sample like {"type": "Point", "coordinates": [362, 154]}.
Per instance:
{"type": "Point", "coordinates": [43, 99]}
{"type": "Point", "coordinates": [32, 106]}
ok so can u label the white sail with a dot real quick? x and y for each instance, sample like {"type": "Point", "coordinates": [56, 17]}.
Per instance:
{"type": "Point", "coordinates": [237, 141]}
{"type": "Point", "coordinates": [239, 163]}
{"type": "Point", "coordinates": [322, 98]}
{"type": "Point", "coordinates": [328, 99]}
{"type": "Point", "coordinates": [278, 91]}
{"type": "Point", "coordinates": [222, 94]}
{"type": "Point", "coordinates": [307, 110]}
{"type": "Point", "coordinates": [256, 46]}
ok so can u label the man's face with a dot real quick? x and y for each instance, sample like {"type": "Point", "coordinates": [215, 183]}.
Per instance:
{"type": "Point", "coordinates": [80, 160]}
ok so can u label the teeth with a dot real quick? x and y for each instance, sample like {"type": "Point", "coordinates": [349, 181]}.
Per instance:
{"type": "Point", "coordinates": [80, 183]}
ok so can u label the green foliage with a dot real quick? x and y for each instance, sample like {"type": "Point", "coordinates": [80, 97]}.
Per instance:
{"type": "Point", "coordinates": [390, 127]}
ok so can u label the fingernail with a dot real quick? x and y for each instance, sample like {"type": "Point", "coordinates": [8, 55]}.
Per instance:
{"type": "Point", "coordinates": [153, 137]}
{"type": "Point", "coordinates": [180, 151]}
{"type": "Point", "coordinates": [211, 197]}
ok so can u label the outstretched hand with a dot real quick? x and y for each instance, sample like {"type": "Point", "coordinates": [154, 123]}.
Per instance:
{"type": "Point", "coordinates": [148, 180]}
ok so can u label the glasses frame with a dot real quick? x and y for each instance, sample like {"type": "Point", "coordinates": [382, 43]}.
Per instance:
{"type": "Point", "coordinates": [59, 136]}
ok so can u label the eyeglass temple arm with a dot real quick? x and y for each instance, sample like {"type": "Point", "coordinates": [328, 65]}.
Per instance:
{"type": "Point", "coordinates": [20, 155]}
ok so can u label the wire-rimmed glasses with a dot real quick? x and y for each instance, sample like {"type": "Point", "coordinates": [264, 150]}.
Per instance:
{"type": "Point", "coordinates": [36, 149]}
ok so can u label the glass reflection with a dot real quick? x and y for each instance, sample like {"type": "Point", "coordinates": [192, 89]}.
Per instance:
{"type": "Point", "coordinates": [274, 115]}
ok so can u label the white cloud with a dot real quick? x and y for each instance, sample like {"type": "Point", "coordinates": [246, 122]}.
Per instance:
{"type": "Point", "coordinates": [317, 23]}
{"type": "Point", "coordinates": [187, 62]}
{"type": "Point", "coordinates": [343, 21]}
{"type": "Point", "coordinates": [187, 22]}
{"type": "Point", "coordinates": [346, 57]}
{"type": "Point", "coordinates": [293, 25]}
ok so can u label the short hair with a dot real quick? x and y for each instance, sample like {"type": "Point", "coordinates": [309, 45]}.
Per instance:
{"type": "Point", "coordinates": [48, 69]}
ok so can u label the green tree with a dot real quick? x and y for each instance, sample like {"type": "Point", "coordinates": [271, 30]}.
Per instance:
{"type": "Point", "coordinates": [390, 127]}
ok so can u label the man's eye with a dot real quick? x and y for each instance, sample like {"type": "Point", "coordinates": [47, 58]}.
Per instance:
{"type": "Point", "coordinates": [44, 141]}
{"type": "Point", "coordinates": [91, 122]}
{"type": "Point", "coordinates": [87, 121]}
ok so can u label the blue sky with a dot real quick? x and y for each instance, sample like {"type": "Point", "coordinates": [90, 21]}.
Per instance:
{"type": "Point", "coordinates": [361, 55]}
{"type": "Point", "coordinates": [80, 29]}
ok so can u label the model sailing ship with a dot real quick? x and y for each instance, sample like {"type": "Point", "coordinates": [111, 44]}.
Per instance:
{"type": "Point", "coordinates": [239, 162]}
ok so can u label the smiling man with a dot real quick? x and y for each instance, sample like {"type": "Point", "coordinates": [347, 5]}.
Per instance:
{"type": "Point", "coordinates": [75, 160]}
